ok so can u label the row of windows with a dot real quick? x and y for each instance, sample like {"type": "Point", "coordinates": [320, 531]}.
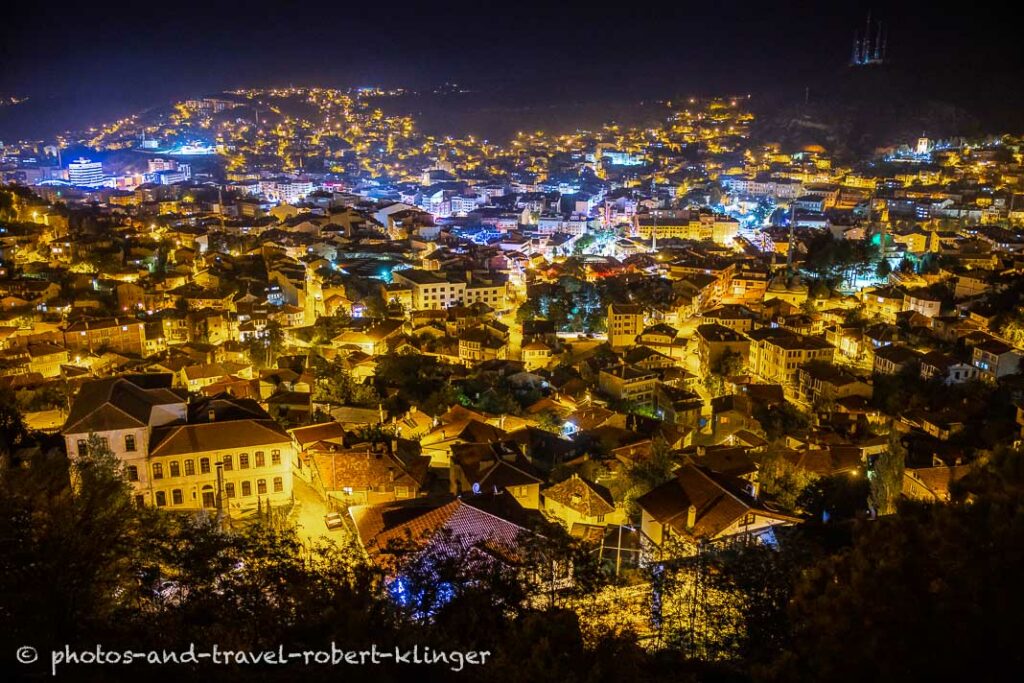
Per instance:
{"type": "Point", "coordinates": [178, 497]}
{"type": "Point", "coordinates": [129, 444]}
{"type": "Point", "coordinates": [227, 461]}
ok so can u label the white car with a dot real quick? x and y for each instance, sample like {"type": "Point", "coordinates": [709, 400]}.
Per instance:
{"type": "Point", "coordinates": [334, 520]}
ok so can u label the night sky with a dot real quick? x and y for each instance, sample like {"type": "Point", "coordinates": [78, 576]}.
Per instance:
{"type": "Point", "coordinates": [105, 56]}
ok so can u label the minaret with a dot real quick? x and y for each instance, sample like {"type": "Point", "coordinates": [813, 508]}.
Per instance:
{"type": "Point", "coordinates": [878, 44]}
{"type": "Point", "coordinates": [855, 57]}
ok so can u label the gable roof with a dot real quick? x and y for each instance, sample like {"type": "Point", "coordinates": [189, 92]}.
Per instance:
{"type": "Point", "coordinates": [115, 403]}
{"type": "Point", "coordinates": [215, 436]}
{"type": "Point", "coordinates": [582, 496]}
{"type": "Point", "coordinates": [719, 502]}
{"type": "Point", "coordinates": [483, 522]}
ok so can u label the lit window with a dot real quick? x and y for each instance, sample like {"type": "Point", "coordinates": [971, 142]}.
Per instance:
{"type": "Point", "coordinates": [190, 468]}
{"type": "Point", "coordinates": [158, 471]}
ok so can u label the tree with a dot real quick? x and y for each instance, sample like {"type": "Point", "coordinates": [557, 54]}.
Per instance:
{"type": "Point", "coordinates": [780, 480]}
{"type": "Point", "coordinates": [778, 421]}
{"type": "Point", "coordinates": [647, 473]}
{"type": "Point", "coordinates": [885, 475]}
{"type": "Point", "coordinates": [12, 427]}
{"type": "Point", "coordinates": [912, 584]}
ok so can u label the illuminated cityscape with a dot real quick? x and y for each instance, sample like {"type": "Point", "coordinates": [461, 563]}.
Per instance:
{"type": "Point", "coordinates": [716, 384]}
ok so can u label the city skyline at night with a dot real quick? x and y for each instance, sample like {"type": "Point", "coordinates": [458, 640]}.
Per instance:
{"type": "Point", "coordinates": [550, 343]}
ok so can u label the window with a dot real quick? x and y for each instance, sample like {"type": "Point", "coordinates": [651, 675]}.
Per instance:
{"type": "Point", "coordinates": [83, 447]}
{"type": "Point", "coordinates": [161, 498]}
{"type": "Point", "coordinates": [228, 465]}
{"type": "Point", "coordinates": [129, 442]}
{"type": "Point", "coordinates": [133, 473]}
{"type": "Point", "coordinates": [261, 486]}
{"type": "Point", "coordinates": [190, 468]}
{"type": "Point", "coordinates": [246, 488]}
{"type": "Point", "coordinates": [275, 457]}
{"type": "Point", "coordinates": [204, 465]}
{"type": "Point", "coordinates": [243, 461]}
{"type": "Point", "coordinates": [158, 471]}
{"type": "Point", "coordinates": [175, 469]}
{"type": "Point", "coordinates": [261, 459]}
{"type": "Point", "coordinates": [278, 484]}
{"type": "Point", "coordinates": [140, 500]}
{"type": "Point", "coordinates": [600, 519]}
{"type": "Point", "coordinates": [176, 497]}
{"type": "Point", "coordinates": [748, 519]}
{"type": "Point", "coordinates": [229, 490]}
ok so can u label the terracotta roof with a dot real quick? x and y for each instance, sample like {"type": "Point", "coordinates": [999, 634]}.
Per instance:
{"type": "Point", "coordinates": [719, 501]}
{"type": "Point", "coordinates": [365, 468]}
{"type": "Point", "coordinates": [215, 436]}
{"type": "Point", "coordinates": [936, 480]}
{"type": "Point", "coordinates": [585, 497]}
{"type": "Point", "coordinates": [467, 525]}
{"type": "Point", "coordinates": [115, 403]}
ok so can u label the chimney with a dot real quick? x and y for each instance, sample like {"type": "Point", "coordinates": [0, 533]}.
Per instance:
{"type": "Point", "coordinates": [691, 516]}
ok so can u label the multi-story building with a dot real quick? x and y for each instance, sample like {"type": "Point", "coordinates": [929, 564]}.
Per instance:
{"type": "Point", "coordinates": [47, 359]}
{"type": "Point", "coordinates": [123, 335]}
{"type": "Point", "coordinates": [480, 344]}
{"type": "Point", "coordinates": [217, 453]}
{"type": "Point", "coordinates": [828, 382]}
{"type": "Point", "coordinates": [122, 412]}
{"type": "Point", "coordinates": [625, 322]}
{"type": "Point", "coordinates": [85, 172]}
{"type": "Point", "coordinates": [777, 354]}
{"type": "Point", "coordinates": [947, 367]}
{"type": "Point", "coordinates": [431, 290]}
{"type": "Point", "coordinates": [700, 506]}
{"type": "Point", "coordinates": [714, 341]}
{"type": "Point", "coordinates": [628, 383]}
{"type": "Point", "coordinates": [995, 359]}
{"type": "Point", "coordinates": [493, 293]}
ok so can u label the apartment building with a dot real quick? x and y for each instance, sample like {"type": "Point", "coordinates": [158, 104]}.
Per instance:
{"type": "Point", "coordinates": [776, 354]}
{"type": "Point", "coordinates": [625, 322]}
{"type": "Point", "coordinates": [430, 289]}
{"type": "Point", "coordinates": [217, 453]}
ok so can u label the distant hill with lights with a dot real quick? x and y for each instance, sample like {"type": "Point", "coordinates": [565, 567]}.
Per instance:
{"type": "Point", "coordinates": [863, 108]}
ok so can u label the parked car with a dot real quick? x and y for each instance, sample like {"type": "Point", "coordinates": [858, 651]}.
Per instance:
{"type": "Point", "coordinates": [334, 520]}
